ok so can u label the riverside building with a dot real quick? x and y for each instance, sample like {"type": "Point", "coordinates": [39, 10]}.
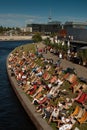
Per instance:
{"type": "Point", "coordinates": [49, 28]}
{"type": "Point", "coordinates": [77, 31]}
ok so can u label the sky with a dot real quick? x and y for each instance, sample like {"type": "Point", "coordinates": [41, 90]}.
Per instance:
{"type": "Point", "coordinates": [19, 13]}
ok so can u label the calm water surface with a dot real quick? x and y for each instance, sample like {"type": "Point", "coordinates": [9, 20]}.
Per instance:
{"type": "Point", "coordinates": [12, 115]}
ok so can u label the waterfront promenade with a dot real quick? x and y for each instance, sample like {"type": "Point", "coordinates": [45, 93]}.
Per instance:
{"type": "Point", "coordinates": [80, 70]}
{"type": "Point", "coordinates": [39, 122]}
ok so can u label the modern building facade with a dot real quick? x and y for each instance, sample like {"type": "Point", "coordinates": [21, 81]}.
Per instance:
{"type": "Point", "coordinates": [49, 28]}
{"type": "Point", "coordinates": [77, 30]}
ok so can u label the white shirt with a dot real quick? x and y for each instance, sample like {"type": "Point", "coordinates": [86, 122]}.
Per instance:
{"type": "Point", "coordinates": [65, 127]}
{"type": "Point", "coordinates": [55, 113]}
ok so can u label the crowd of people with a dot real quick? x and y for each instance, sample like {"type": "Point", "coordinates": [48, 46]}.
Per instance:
{"type": "Point", "coordinates": [44, 82]}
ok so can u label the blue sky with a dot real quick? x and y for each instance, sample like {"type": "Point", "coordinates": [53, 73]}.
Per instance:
{"type": "Point", "coordinates": [21, 12]}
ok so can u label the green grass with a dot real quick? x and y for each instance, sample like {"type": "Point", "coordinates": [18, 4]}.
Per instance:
{"type": "Point", "coordinates": [66, 86]}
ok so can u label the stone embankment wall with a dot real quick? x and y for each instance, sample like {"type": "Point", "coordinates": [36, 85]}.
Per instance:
{"type": "Point", "coordinates": [40, 123]}
{"type": "Point", "coordinates": [6, 38]}
{"type": "Point", "coordinates": [12, 38]}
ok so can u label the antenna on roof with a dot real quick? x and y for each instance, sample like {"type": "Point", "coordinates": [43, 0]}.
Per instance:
{"type": "Point", "coordinates": [50, 18]}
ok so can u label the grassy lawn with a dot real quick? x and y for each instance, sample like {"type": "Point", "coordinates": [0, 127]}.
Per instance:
{"type": "Point", "coordinates": [66, 85]}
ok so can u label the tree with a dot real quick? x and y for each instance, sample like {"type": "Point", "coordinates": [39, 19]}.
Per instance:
{"type": "Point", "coordinates": [83, 55]}
{"type": "Point", "coordinates": [37, 37]}
{"type": "Point", "coordinates": [47, 41]}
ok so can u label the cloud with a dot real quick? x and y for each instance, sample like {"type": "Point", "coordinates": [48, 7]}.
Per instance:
{"type": "Point", "coordinates": [17, 16]}
{"type": "Point", "coordinates": [21, 20]}
{"type": "Point", "coordinates": [18, 19]}
{"type": "Point", "coordinates": [71, 18]}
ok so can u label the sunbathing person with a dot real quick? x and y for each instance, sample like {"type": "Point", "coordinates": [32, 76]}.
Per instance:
{"type": "Point", "coordinates": [72, 78]}
{"type": "Point", "coordinates": [83, 98]}
{"type": "Point", "coordinates": [46, 76]}
{"type": "Point", "coordinates": [79, 94]}
{"type": "Point", "coordinates": [53, 79]}
{"type": "Point", "coordinates": [32, 90]}
{"type": "Point", "coordinates": [59, 82]}
{"type": "Point", "coordinates": [80, 113]}
{"type": "Point", "coordinates": [46, 111]}
{"type": "Point", "coordinates": [67, 126]}
{"type": "Point", "coordinates": [65, 123]}
{"type": "Point", "coordinates": [27, 86]}
{"type": "Point", "coordinates": [48, 67]}
{"type": "Point", "coordinates": [49, 86]}
{"type": "Point", "coordinates": [53, 92]}
{"type": "Point", "coordinates": [40, 107]}
{"type": "Point", "coordinates": [54, 115]}
{"type": "Point", "coordinates": [41, 100]}
{"type": "Point", "coordinates": [40, 72]}
{"type": "Point", "coordinates": [38, 90]}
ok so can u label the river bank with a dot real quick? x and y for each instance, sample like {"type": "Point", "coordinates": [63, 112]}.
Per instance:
{"type": "Point", "coordinates": [40, 123]}
{"type": "Point", "coordinates": [12, 38]}
{"type": "Point", "coordinates": [64, 64]}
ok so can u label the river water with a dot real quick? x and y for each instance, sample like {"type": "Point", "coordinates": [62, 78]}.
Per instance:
{"type": "Point", "coordinates": [12, 114]}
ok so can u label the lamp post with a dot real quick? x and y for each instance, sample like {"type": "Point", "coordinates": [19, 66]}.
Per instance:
{"type": "Point", "coordinates": [68, 51]}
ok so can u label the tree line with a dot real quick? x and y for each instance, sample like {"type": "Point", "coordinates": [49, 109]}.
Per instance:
{"type": "Point", "coordinates": [6, 29]}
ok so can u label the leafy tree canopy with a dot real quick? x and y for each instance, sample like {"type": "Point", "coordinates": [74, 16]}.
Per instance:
{"type": "Point", "coordinates": [37, 37]}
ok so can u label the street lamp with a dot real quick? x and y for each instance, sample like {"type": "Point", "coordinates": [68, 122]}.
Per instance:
{"type": "Point", "coordinates": [68, 51]}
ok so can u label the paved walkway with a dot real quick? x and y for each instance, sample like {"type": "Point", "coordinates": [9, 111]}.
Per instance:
{"type": "Point", "coordinates": [80, 70]}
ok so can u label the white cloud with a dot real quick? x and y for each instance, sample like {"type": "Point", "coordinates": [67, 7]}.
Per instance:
{"type": "Point", "coordinates": [18, 19]}
{"type": "Point", "coordinates": [71, 18]}
{"type": "Point", "coordinates": [17, 16]}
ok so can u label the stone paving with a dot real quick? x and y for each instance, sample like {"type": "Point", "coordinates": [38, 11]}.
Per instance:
{"type": "Point", "coordinates": [81, 71]}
